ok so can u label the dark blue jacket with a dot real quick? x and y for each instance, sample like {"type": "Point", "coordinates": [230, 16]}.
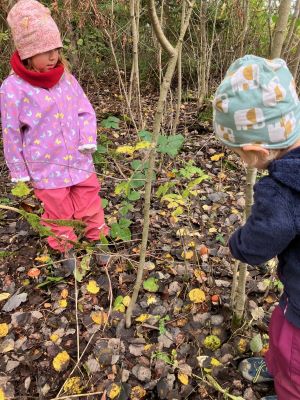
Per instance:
{"type": "Point", "coordinates": [273, 229]}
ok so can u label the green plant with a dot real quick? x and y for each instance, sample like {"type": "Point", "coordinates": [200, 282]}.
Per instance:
{"type": "Point", "coordinates": [120, 230]}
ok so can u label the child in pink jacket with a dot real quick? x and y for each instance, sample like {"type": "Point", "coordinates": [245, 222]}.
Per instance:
{"type": "Point", "coordinates": [49, 126]}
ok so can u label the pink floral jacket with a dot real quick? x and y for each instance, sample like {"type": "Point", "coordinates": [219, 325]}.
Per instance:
{"type": "Point", "coordinates": [48, 134]}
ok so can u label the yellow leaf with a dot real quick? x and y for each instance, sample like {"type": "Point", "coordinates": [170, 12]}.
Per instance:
{"type": "Point", "coordinates": [99, 317]}
{"type": "Point", "coordinates": [72, 385]}
{"type": "Point", "coordinates": [61, 361]}
{"type": "Point", "coordinates": [125, 150]}
{"type": "Point", "coordinates": [92, 287]}
{"type": "Point", "coordinates": [137, 393]}
{"type": "Point", "coordinates": [2, 395]}
{"type": "Point", "coordinates": [126, 301]}
{"type": "Point", "coordinates": [197, 296]}
{"type": "Point", "coordinates": [212, 230]}
{"type": "Point", "coordinates": [4, 296]}
{"type": "Point", "coordinates": [148, 347]}
{"type": "Point", "coordinates": [235, 211]}
{"type": "Point", "coordinates": [187, 255]}
{"type": "Point", "coordinates": [183, 378]}
{"type": "Point", "coordinates": [114, 391]}
{"type": "Point", "coordinates": [142, 145]}
{"type": "Point", "coordinates": [217, 157]}
{"type": "Point", "coordinates": [3, 330]}
{"type": "Point", "coordinates": [64, 293]}
{"type": "Point", "coordinates": [206, 207]}
{"type": "Point", "coordinates": [43, 259]}
{"type": "Point", "coordinates": [120, 308]}
{"type": "Point", "coordinates": [54, 337]}
{"type": "Point", "coordinates": [63, 303]}
{"type": "Point", "coordinates": [215, 363]}
{"type": "Point", "coordinates": [143, 318]}
{"type": "Point", "coordinates": [151, 299]}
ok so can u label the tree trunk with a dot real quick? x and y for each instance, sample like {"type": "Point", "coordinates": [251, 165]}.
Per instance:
{"type": "Point", "coordinates": [156, 130]}
{"type": "Point", "coordinates": [278, 37]}
{"type": "Point", "coordinates": [292, 29]}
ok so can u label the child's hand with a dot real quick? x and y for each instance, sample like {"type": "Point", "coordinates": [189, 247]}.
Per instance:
{"type": "Point", "coordinates": [87, 148]}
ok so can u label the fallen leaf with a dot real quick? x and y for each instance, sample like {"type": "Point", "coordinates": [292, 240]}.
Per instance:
{"type": "Point", "coordinates": [43, 259]}
{"type": "Point", "coordinates": [99, 317]}
{"type": "Point", "coordinates": [63, 303]}
{"type": "Point", "coordinates": [143, 318]}
{"type": "Point", "coordinates": [197, 296]}
{"type": "Point", "coordinates": [183, 378]}
{"type": "Point", "coordinates": [256, 344]}
{"type": "Point", "coordinates": [217, 157]}
{"type": "Point", "coordinates": [4, 296]}
{"type": "Point", "coordinates": [203, 250]}
{"type": "Point", "coordinates": [92, 287]}
{"type": "Point", "coordinates": [72, 385]}
{"type": "Point", "coordinates": [151, 285]}
{"type": "Point", "coordinates": [137, 393]}
{"type": "Point", "coordinates": [114, 391]}
{"type": "Point", "coordinates": [14, 302]}
{"type": "Point", "coordinates": [64, 293]}
{"type": "Point", "coordinates": [61, 361]}
{"type": "Point", "coordinates": [54, 337]}
{"type": "Point", "coordinates": [212, 342]}
{"type": "Point", "coordinates": [2, 395]}
{"type": "Point", "coordinates": [187, 255]}
{"type": "Point", "coordinates": [126, 301]}
{"type": "Point", "coordinates": [3, 330]}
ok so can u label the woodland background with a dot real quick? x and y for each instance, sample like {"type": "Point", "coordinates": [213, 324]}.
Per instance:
{"type": "Point", "coordinates": [62, 337]}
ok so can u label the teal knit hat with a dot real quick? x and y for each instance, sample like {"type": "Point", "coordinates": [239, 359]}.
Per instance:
{"type": "Point", "coordinates": [257, 103]}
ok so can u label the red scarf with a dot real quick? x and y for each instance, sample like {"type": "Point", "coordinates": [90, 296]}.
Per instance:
{"type": "Point", "coordinates": [44, 80]}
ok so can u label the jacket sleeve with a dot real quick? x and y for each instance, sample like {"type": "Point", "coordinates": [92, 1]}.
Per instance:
{"type": "Point", "coordinates": [87, 120]}
{"type": "Point", "coordinates": [12, 135]}
{"type": "Point", "coordinates": [269, 229]}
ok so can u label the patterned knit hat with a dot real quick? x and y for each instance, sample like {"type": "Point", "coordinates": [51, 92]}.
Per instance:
{"type": "Point", "coordinates": [257, 104]}
{"type": "Point", "coordinates": [33, 29]}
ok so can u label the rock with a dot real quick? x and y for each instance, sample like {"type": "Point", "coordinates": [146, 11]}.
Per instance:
{"type": "Point", "coordinates": [170, 381]}
{"type": "Point", "coordinates": [166, 340]}
{"type": "Point", "coordinates": [162, 388]}
{"type": "Point", "coordinates": [104, 356]}
{"type": "Point", "coordinates": [249, 394]}
{"type": "Point", "coordinates": [11, 365]}
{"type": "Point", "coordinates": [174, 288]}
{"type": "Point", "coordinates": [217, 320]}
{"type": "Point", "coordinates": [159, 310]}
{"type": "Point", "coordinates": [142, 373]}
{"type": "Point", "coordinates": [221, 283]}
{"type": "Point", "coordinates": [136, 350]}
{"type": "Point", "coordinates": [92, 365]}
{"type": "Point", "coordinates": [125, 375]}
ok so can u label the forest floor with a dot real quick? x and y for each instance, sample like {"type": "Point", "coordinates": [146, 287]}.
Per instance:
{"type": "Point", "coordinates": [46, 337]}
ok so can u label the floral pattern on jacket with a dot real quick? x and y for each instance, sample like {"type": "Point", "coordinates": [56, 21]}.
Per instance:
{"type": "Point", "coordinates": [45, 132]}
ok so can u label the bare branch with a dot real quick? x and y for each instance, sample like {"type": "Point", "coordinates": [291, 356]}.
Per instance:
{"type": "Point", "coordinates": [165, 44]}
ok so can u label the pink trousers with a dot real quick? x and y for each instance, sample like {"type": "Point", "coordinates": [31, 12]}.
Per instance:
{"type": "Point", "coordinates": [80, 202]}
{"type": "Point", "coordinates": [283, 357]}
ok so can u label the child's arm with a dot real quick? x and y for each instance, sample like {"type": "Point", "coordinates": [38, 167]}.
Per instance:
{"type": "Point", "coordinates": [269, 229]}
{"type": "Point", "coordinates": [87, 121]}
{"type": "Point", "coordinates": [12, 137]}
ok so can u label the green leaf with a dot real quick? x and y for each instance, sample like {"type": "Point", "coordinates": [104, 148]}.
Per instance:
{"type": "Point", "coordinates": [20, 190]}
{"type": "Point", "coordinates": [137, 180]}
{"type": "Point", "coordinates": [137, 165]}
{"type": "Point", "coordinates": [122, 187]}
{"type": "Point", "coordinates": [111, 122]}
{"type": "Point", "coordinates": [102, 149]}
{"type": "Point", "coordinates": [145, 135]}
{"type": "Point", "coordinates": [121, 230]}
{"type": "Point", "coordinates": [118, 301]}
{"type": "Point", "coordinates": [82, 268]}
{"type": "Point", "coordinates": [170, 144]}
{"type": "Point", "coordinates": [80, 42]}
{"type": "Point", "coordinates": [133, 196]}
{"type": "Point", "coordinates": [163, 189]}
{"type": "Point", "coordinates": [256, 343]}
{"type": "Point", "coordinates": [104, 203]}
{"type": "Point", "coordinates": [151, 285]}
{"type": "Point", "coordinates": [126, 207]}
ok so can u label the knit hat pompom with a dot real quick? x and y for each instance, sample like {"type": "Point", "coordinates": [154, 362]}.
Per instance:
{"type": "Point", "coordinates": [34, 30]}
{"type": "Point", "coordinates": [257, 103]}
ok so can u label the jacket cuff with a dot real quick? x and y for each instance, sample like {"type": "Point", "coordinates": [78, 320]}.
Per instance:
{"type": "Point", "coordinates": [89, 146]}
{"type": "Point", "coordinates": [22, 179]}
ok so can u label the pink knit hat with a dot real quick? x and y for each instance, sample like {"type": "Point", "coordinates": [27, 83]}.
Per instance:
{"type": "Point", "coordinates": [34, 30]}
